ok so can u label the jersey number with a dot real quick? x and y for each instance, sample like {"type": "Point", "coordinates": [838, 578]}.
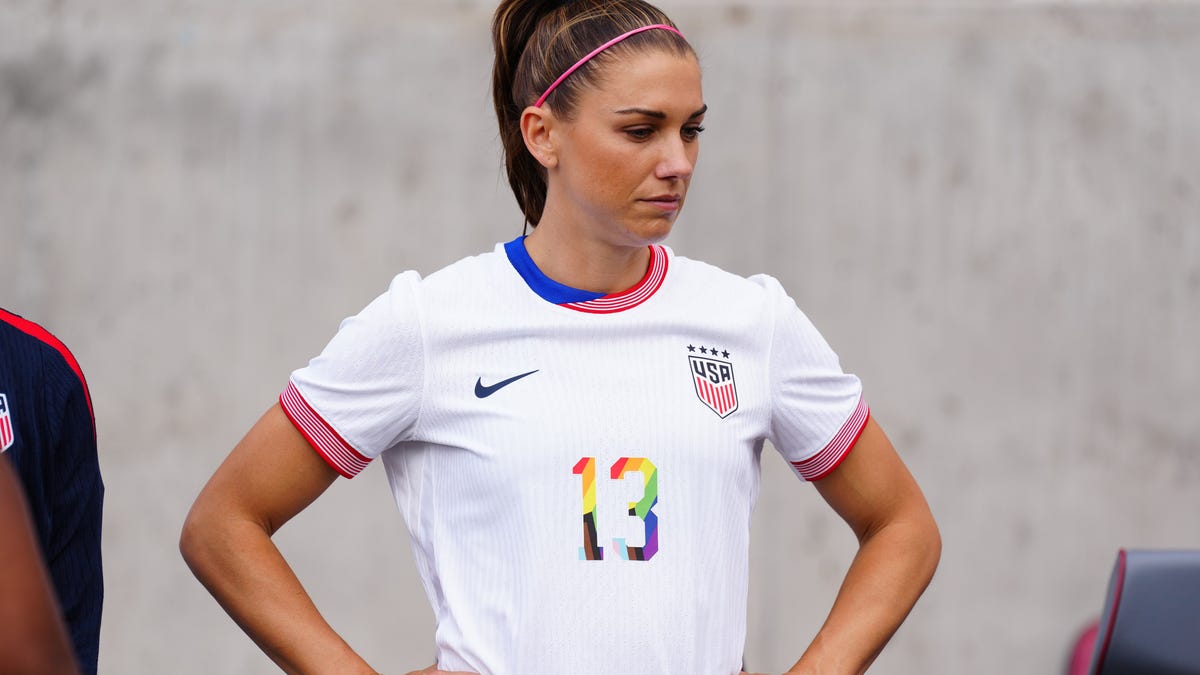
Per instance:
{"type": "Point", "coordinates": [643, 508]}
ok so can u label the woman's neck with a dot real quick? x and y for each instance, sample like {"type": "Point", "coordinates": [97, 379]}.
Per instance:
{"type": "Point", "coordinates": [589, 264]}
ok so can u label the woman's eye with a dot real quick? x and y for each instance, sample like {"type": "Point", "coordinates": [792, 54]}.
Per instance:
{"type": "Point", "coordinates": [693, 132]}
{"type": "Point", "coordinates": [640, 133]}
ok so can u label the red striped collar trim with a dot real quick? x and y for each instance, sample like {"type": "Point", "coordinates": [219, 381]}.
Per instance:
{"type": "Point", "coordinates": [656, 273]}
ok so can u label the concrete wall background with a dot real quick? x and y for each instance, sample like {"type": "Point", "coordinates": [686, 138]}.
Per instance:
{"type": "Point", "coordinates": [990, 209]}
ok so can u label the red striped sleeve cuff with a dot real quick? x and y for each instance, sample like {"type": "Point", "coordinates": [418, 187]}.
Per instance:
{"type": "Point", "coordinates": [819, 465]}
{"type": "Point", "coordinates": [328, 443]}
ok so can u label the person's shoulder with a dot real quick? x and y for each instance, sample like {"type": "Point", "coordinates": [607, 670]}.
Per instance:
{"type": "Point", "coordinates": [30, 341]}
{"type": "Point", "coordinates": [409, 291]}
{"type": "Point", "coordinates": [42, 364]}
{"type": "Point", "coordinates": [469, 269]}
{"type": "Point", "coordinates": [466, 282]}
{"type": "Point", "coordinates": [692, 271]}
{"type": "Point", "coordinates": [463, 267]}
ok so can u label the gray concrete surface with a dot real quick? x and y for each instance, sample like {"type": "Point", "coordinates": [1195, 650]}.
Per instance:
{"type": "Point", "coordinates": [990, 209]}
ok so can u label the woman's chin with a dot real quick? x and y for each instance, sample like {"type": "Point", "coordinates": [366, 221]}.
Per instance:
{"type": "Point", "coordinates": [654, 230]}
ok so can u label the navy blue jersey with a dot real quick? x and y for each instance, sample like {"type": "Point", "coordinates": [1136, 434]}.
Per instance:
{"type": "Point", "coordinates": [48, 432]}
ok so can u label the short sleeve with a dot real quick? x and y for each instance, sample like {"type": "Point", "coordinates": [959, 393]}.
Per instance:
{"type": "Point", "coordinates": [362, 394]}
{"type": "Point", "coordinates": [817, 410]}
{"type": "Point", "coordinates": [73, 544]}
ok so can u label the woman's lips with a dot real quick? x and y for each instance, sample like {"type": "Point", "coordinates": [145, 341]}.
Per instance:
{"type": "Point", "coordinates": [664, 202]}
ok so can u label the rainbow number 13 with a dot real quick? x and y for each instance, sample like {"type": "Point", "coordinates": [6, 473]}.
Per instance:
{"type": "Point", "coordinates": [643, 508]}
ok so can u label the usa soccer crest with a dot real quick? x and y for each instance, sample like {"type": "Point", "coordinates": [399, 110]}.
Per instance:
{"type": "Point", "coordinates": [712, 373]}
{"type": "Point", "coordinates": [6, 428]}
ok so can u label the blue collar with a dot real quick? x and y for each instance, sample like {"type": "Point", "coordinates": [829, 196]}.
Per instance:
{"type": "Point", "coordinates": [549, 289]}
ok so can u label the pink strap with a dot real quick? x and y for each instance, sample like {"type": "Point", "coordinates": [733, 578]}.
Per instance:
{"type": "Point", "coordinates": [596, 51]}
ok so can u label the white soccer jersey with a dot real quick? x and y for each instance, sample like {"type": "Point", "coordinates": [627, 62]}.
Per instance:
{"type": "Point", "coordinates": [577, 470]}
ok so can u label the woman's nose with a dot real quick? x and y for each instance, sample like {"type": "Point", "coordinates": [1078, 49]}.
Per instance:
{"type": "Point", "coordinates": [677, 161]}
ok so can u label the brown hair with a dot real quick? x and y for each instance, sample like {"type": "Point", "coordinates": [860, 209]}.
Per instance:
{"type": "Point", "coordinates": [536, 41]}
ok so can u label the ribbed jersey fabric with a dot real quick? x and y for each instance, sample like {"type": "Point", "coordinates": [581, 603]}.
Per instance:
{"type": "Point", "coordinates": [578, 484]}
{"type": "Point", "coordinates": [47, 431]}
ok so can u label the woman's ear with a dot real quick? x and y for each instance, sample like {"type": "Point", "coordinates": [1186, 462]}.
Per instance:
{"type": "Point", "coordinates": [536, 125]}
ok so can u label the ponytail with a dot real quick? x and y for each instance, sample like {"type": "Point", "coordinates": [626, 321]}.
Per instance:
{"type": "Point", "coordinates": [535, 42]}
{"type": "Point", "coordinates": [512, 28]}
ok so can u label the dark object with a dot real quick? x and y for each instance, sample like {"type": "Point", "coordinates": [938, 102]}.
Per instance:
{"type": "Point", "coordinates": [1151, 619]}
{"type": "Point", "coordinates": [48, 433]}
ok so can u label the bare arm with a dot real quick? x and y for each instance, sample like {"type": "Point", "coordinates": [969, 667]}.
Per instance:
{"type": "Point", "coordinates": [899, 548]}
{"type": "Point", "coordinates": [270, 476]}
{"type": "Point", "coordinates": [34, 639]}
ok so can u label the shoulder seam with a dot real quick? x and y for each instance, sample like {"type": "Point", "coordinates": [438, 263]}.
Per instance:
{"type": "Point", "coordinates": [773, 312]}
{"type": "Point", "coordinates": [39, 333]}
{"type": "Point", "coordinates": [420, 318]}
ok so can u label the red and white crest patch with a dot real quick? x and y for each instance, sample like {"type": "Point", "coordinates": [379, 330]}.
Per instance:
{"type": "Point", "coordinates": [6, 427]}
{"type": "Point", "coordinates": [712, 373]}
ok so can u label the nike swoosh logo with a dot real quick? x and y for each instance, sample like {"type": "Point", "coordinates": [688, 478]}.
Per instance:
{"type": "Point", "coordinates": [484, 392]}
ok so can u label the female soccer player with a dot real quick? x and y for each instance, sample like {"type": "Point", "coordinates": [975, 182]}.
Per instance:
{"type": "Point", "coordinates": [571, 423]}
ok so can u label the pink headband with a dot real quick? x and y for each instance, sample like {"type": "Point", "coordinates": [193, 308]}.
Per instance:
{"type": "Point", "coordinates": [597, 50]}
